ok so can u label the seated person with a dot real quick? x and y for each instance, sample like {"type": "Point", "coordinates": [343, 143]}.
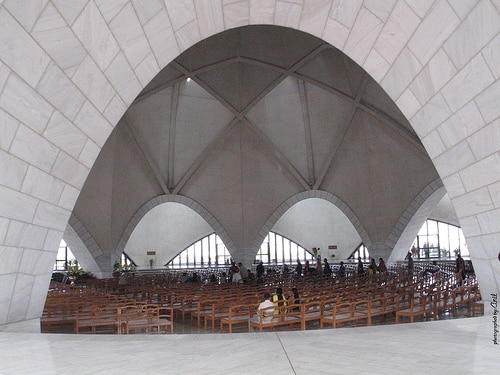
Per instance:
{"type": "Point", "coordinates": [267, 313]}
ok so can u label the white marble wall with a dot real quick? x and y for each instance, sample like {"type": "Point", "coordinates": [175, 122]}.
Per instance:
{"type": "Point", "coordinates": [69, 70]}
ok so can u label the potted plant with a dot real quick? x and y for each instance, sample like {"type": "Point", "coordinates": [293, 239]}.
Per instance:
{"type": "Point", "coordinates": [73, 270]}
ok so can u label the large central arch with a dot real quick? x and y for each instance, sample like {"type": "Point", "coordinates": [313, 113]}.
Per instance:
{"type": "Point", "coordinates": [69, 72]}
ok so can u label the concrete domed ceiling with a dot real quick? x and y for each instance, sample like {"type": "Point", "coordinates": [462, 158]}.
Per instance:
{"type": "Point", "coordinates": [245, 120]}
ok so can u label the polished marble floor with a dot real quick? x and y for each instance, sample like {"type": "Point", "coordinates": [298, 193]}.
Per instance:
{"type": "Point", "coordinates": [457, 346]}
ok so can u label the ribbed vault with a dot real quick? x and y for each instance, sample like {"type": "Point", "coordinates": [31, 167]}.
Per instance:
{"type": "Point", "coordinates": [247, 119]}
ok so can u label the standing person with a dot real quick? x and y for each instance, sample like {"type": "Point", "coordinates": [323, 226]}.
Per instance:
{"type": "Point", "coordinates": [327, 270]}
{"type": "Point", "coordinates": [341, 271]}
{"type": "Point", "coordinates": [460, 267]}
{"type": "Point", "coordinates": [372, 268]}
{"type": "Point", "coordinates": [410, 264]}
{"type": "Point", "coordinates": [382, 268]}
{"type": "Point", "coordinates": [260, 269]}
{"type": "Point", "coordinates": [319, 267]}
{"type": "Point", "coordinates": [361, 269]}
{"type": "Point", "coordinates": [233, 269]}
{"type": "Point", "coordinates": [267, 314]}
{"type": "Point", "coordinates": [307, 269]}
{"type": "Point", "coordinates": [298, 268]}
{"type": "Point", "coordinates": [243, 272]}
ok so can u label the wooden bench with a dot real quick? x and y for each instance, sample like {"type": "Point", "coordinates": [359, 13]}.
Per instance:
{"type": "Point", "coordinates": [238, 314]}
{"type": "Point", "coordinates": [419, 305]}
{"type": "Point", "coordinates": [347, 312]}
{"type": "Point", "coordinates": [283, 316]}
{"type": "Point", "coordinates": [148, 318]}
{"type": "Point", "coordinates": [98, 319]}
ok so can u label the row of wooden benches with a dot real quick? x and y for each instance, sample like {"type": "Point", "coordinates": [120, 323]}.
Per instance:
{"type": "Point", "coordinates": [89, 312]}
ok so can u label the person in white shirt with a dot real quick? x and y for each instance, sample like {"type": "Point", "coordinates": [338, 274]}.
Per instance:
{"type": "Point", "coordinates": [266, 304]}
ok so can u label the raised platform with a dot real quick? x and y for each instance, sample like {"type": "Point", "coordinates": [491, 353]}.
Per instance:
{"type": "Point", "coordinates": [461, 346]}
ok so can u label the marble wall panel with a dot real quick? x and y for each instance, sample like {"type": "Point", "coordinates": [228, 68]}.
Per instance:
{"type": "Point", "coordinates": [16, 205]}
{"type": "Point", "coordinates": [147, 69]}
{"type": "Point", "coordinates": [13, 171]}
{"type": "Point", "coordinates": [345, 12]}
{"type": "Point", "coordinates": [363, 35]}
{"type": "Point", "coordinates": [161, 38]}
{"type": "Point", "coordinates": [51, 216]}
{"type": "Point", "coordinates": [188, 35]}
{"type": "Point", "coordinates": [287, 14]}
{"type": "Point", "coordinates": [25, 235]}
{"type": "Point", "coordinates": [38, 296]}
{"type": "Point", "coordinates": [470, 226]}
{"type": "Point", "coordinates": [94, 33]}
{"type": "Point", "coordinates": [433, 144]}
{"type": "Point", "coordinates": [237, 14]}
{"type": "Point", "coordinates": [433, 77]}
{"type": "Point", "coordinates": [4, 73]}
{"type": "Point", "coordinates": [36, 262]}
{"type": "Point", "coordinates": [129, 33]}
{"type": "Point", "coordinates": [435, 28]}
{"type": "Point", "coordinates": [473, 79]}
{"type": "Point", "coordinates": [402, 72]}
{"type": "Point", "coordinates": [69, 170]}
{"type": "Point", "coordinates": [431, 115]}
{"type": "Point", "coordinates": [381, 8]}
{"type": "Point", "coordinates": [62, 133]}
{"type": "Point", "coordinates": [52, 241]}
{"type": "Point", "coordinates": [123, 78]}
{"type": "Point", "coordinates": [181, 12]}
{"type": "Point", "coordinates": [20, 298]}
{"type": "Point", "coordinates": [210, 17]}
{"type": "Point", "coordinates": [396, 31]}
{"type": "Point", "coordinates": [146, 10]}
{"type": "Point", "coordinates": [93, 83]}
{"type": "Point", "coordinates": [484, 172]}
{"type": "Point", "coordinates": [26, 12]}
{"type": "Point", "coordinates": [68, 198]}
{"type": "Point", "coordinates": [25, 104]}
{"type": "Point", "coordinates": [376, 65]}
{"type": "Point", "coordinates": [16, 44]}
{"type": "Point", "coordinates": [454, 159]}
{"type": "Point", "coordinates": [491, 54]}
{"type": "Point", "coordinates": [11, 259]}
{"type": "Point", "coordinates": [91, 122]}
{"type": "Point", "coordinates": [462, 8]}
{"type": "Point", "coordinates": [485, 141]}
{"type": "Point", "coordinates": [490, 221]}
{"type": "Point", "coordinates": [34, 149]}
{"type": "Point", "coordinates": [463, 45]}
{"type": "Point", "coordinates": [489, 101]}
{"type": "Point", "coordinates": [474, 202]}
{"type": "Point", "coordinates": [7, 280]}
{"type": "Point", "coordinates": [60, 91]}
{"type": "Point", "coordinates": [89, 154]}
{"type": "Point", "coordinates": [335, 33]}
{"type": "Point", "coordinates": [461, 125]}
{"type": "Point", "coordinates": [57, 39]}
{"type": "Point", "coordinates": [494, 190]}
{"type": "Point", "coordinates": [261, 11]}
{"type": "Point", "coordinates": [4, 226]}
{"type": "Point", "coordinates": [314, 16]}
{"type": "Point", "coordinates": [420, 7]}
{"type": "Point", "coordinates": [114, 111]}
{"type": "Point", "coordinates": [408, 103]}
{"type": "Point", "coordinates": [42, 185]}
{"type": "Point", "coordinates": [71, 9]}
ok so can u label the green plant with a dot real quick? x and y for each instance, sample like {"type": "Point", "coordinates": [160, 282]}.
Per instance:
{"type": "Point", "coordinates": [72, 268]}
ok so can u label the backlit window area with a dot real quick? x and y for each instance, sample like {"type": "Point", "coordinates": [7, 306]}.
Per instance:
{"type": "Point", "coordinates": [439, 240]}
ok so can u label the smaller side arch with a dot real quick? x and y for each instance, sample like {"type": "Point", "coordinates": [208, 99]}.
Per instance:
{"type": "Point", "coordinates": [406, 229]}
{"type": "Point", "coordinates": [174, 198]}
{"type": "Point", "coordinates": [320, 194]}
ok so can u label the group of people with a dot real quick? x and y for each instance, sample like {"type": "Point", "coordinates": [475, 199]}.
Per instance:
{"type": "Point", "coordinates": [373, 267]}
{"type": "Point", "coordinates": [276, 300]}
